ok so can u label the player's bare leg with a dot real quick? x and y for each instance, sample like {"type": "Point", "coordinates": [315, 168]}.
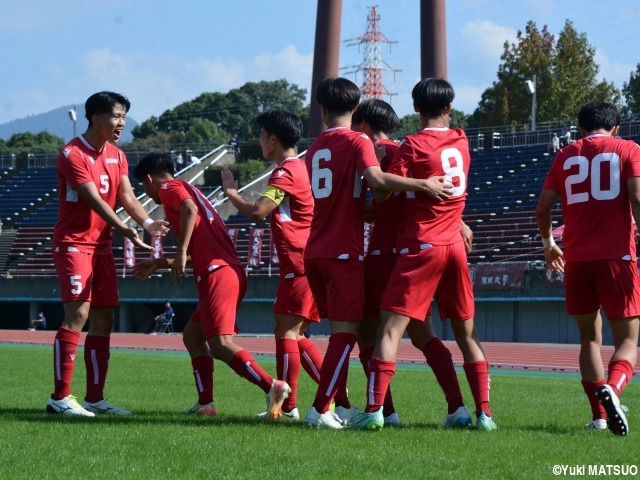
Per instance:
{"type": "Point", "coordinates": [476, 369]}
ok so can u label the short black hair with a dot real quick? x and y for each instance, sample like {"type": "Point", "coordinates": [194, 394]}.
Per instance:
{"type": "Point", "coordinates": [377, 113]}
{"type": "Point", "coordinates": [596, 115]}
{"type": "Point", "coordinates": [338, 95]}
{"type": "Point", "coordinates": [432, 95]}
{"type": "Point", "coordinates": [154, 164]}
{"type": "Point", "coordinates": [286, 126]}
{"type": "Point", "coordinates": [103, 102]}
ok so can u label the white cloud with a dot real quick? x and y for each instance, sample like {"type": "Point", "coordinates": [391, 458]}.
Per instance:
{"type": "Point", "coordinates": [615, 72]}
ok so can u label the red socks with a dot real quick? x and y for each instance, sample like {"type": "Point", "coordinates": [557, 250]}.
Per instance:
{"type": "Point", "coordinates": [619, 373]}
{"type": "Point", "coordinates": [288, 368]}
{"type": "Point", "coordinates": [65, 347]}
{"type": "Point", "coordinates": [334, 369]}
{"type": "Point", "coordinates": [380, 374]}
{"type": "Point", "coordinates": [203, 375]}
{"type": "Point", "coordinates": [439, 358]}
{"type": "Point", "coordinates": [478, 377]}
{"type": "Point", "coordinates": [310, 358]}
{"type": "Point", "coordinates": [96, 360]}
{"type": "Point", "coordinates": [365, 358]}
{"type": "Point", "coordinates": [597, 410]}
{"type": "Point", "coordinates": [244, 365]}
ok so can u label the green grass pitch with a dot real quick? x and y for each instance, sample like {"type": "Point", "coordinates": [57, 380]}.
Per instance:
{"type": "Point", "coordinates": [540, 417]}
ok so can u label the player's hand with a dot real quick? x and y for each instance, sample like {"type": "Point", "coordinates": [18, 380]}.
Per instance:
{"type": "Point", "coordinates": [438, 187]}
{"type": "Point", "coordinates": [178, 267]}
{"type": "Point", "coordinates": [467, 237]}
{"type": "Point", "coordinates": [159, 228]}
{"type": "Point", "coordinates": [132, 234]}
{"type": "Point", "coordinates": [144, 269]}
{"type": "Point", "coordinates": [555, 258]}
{"type": "Point", "coordinates": [228, 182]}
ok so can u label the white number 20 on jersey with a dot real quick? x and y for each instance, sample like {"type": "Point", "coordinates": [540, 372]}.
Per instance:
{"type": "Point", "coordinates": [591, 172]}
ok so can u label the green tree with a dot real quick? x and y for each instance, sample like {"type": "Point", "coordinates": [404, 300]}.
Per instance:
{"type": "Point", "coordinates": [566, 78]}
{"type": "Point", "coordinates": [631, 92]}
{"type": "Point", "coordinates": [36, 143]}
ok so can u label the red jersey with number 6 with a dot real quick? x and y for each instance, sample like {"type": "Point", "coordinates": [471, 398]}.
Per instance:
{"type": "Point", "coordinates": [335, 162]}
{"type": "Point", "coordinates": [433, 152]}
{"type": "Point", "coordinates": [78, 224]}
{"type": "Point", "coordinates": [591, 177]}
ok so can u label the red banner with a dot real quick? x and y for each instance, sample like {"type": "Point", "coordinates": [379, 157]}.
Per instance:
{"type": "Point", "coordinates": [498, 276]}
{"type": "Point", "coordinates": [255, 247]}
{"type": "Point", "coordinates": [233, 235]}
{"type": "Point", "coordinates": [157, 250]}
{"type": "Point", "coordinates": [129, 253]}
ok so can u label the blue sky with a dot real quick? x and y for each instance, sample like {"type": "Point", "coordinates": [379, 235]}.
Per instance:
{"type": "Point", "coordinates": [162, 53]}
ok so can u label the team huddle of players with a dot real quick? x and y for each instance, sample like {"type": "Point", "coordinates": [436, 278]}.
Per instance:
{"type": "Point", "coordinates": [318, 206]}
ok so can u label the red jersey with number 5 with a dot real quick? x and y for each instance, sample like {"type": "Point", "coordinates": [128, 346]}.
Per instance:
{"type": "Point", "coordinates": [591, 177]}
{"type": "Point", "coordinates": [78, 224]}
{"type": "Point", "coordinates": [335, 162]}
{"type": "Point", "coordinates": [433, 152]}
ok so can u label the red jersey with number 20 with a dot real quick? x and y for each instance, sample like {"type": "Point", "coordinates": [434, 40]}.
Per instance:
{"type": "Point", "coordinates": [210, 246]}
{"type": "Point", "coordinates": [435, 151]}
{"type": "Point", "coordinates": [335, 162]}
{"type": "Point", "coordinates": [78, 224]}
{"type": "Point", "coordinates": [591, 177]}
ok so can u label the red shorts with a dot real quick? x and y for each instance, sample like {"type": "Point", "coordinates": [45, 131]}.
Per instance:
{"type": "Point", "coordinates": [613, 285]}
{"type": "Point", "coordinates": [219, 296]}
{"type": "Point", "coordinates": [440, 272]}
{"type": "Point", "coordinates": [377, 270]}
{"type": "Point", "coordinates": [86, 277]}
{"type": "Point", "coordinates": [338, 287]}
{"type": "Point", "coordinates": [294, 297]}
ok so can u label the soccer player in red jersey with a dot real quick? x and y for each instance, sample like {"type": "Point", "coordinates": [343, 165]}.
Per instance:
{"type": "Point", "coordinates": [376, 118]}
{"type": "Point", "coordinates": [432, 261]}
{"type": "Point", "coordinates": [338, 161]}
{"type": "Point", "coordinates": [203, 239]}
{"type": "Point", "coordinates": [597, 179]}
{"type": "Point", "coordinates": [92, 176]}
{"type": "Point", "coordinates": [289, 201]}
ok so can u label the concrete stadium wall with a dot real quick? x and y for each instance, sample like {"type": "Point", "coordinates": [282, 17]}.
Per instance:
{"type": "Point", "coordinates": [534, 314]}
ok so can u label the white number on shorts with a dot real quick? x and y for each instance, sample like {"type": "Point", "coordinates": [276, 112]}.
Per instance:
{"type": "Point", "coordinates": [593, 169]}
{"type": "Point", "coordinates": [75, 282]}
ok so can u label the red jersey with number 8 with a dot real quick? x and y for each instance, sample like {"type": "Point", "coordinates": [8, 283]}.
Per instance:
{"type": "Point", "coordinates": [433, 152]}
{"type": "Point", "coordinates": [591, 177]}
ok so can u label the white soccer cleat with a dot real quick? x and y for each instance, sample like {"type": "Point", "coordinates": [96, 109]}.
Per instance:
{"type": "Point", "coordinates": [293, 415]}
{"type": "Point", "coordinates": [104, 407]}
{"type": "Point", "coordinates": [278, 393]}
{"type": "Point", "coordinates": [208, 410]}
{"type": "Point", "coordinates": [392, 420]}
{"type": "Point", "coordinates": [597, 424]}
{"type": "Point", "coordinates": [67, 406]}
{"type": "Point", "coordinates": [458, 419]}
{"type": "Point", "coordinates": [346, 414]}
{"type": "Point", "coordinates": [327, 420]}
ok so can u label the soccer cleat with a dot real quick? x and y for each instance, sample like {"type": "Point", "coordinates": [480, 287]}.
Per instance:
{"type": "Point", "coordinates": [458, 419]}
{"type": "Point", "coordinates": [67, 406]}
{"type": "Point", "coordinates": [292, 415]}
{"type": "Point", "coordinates": [484, 422]}
{"type": "Point", "coordinates": [279, 391]}
{"type": "Point", "coordinates": [597, 424]}
{"type": "Point", "coordinates": [392, 420]}
{"type": "Point", "coordinates": [208, 410]}
{"type": "Point", "coordinates": [345, 414]}
{"type": "Point", "coordinates": [327, 420]}
{"type": "Point", "coordinates": [104, 407]}
{"type": "Point", "coordinates": [616, 418]}
{"type": "Point", "coordinates": [367, 421]}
